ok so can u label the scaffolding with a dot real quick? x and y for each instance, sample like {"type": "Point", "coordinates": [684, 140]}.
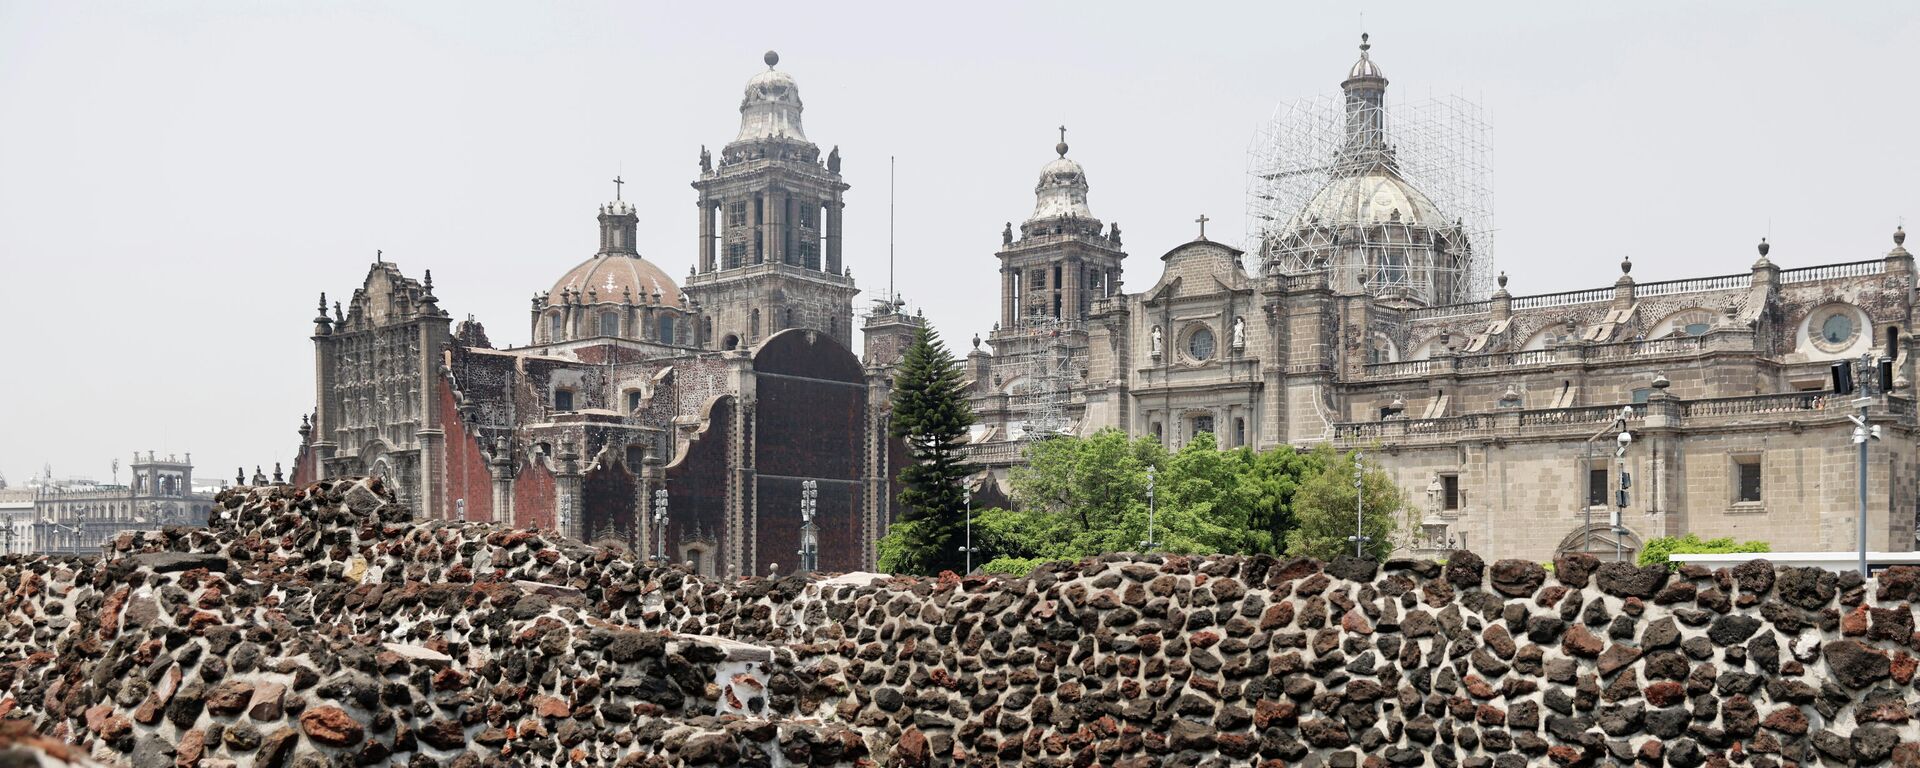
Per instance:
{"type": "Point", "coordinates": [1045, 383]}
{"type": "Point", "coordinates": [1401, 210]}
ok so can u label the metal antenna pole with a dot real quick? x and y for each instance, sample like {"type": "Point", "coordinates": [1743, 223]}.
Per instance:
{"type": "Point", "coordinates": [1149, 544]}
{"type": "Point", "coordinates": [1861, 435]}
{"type": "Point", "coordinates": [890, 187]}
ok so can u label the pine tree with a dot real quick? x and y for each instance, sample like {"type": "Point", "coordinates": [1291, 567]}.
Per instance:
{"type": "Point", "coordinates": [930, 413]}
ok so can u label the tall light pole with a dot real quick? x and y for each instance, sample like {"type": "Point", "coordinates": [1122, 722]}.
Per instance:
{"type": "Point", "coordinates": [967, 499]}
{"type": "Point", "coordinates": [809, 533]}
{"type": "Point", "coordinates": [1359, 537]}
{"type": "Point", "coordinates": [1149, 544]}
{"type": "Point", "coordinates": [1620, 496]}
{"type": "Point", "coordinates": [660, 523]}
{"type": "Point", "coordinates": [1870, 380]}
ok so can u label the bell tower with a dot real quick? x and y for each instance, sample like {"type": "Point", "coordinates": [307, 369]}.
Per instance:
{"type": "Point", "coordinates": [770, 227]}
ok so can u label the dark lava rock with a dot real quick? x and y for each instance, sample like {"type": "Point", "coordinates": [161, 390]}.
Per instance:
{"type": "Point", "coordinates": [1733, 629]}
{"type": "Point", "coordinates": [1465, 569]}
{"type": "Point", "coordinates": [1623, 580]}
{"type": "Point", "coordinates": [1353, 568]}
{"type": "Point", "coordinates": [1517, 578]}
{"type": "Point", "coordinates": [1574, 569]}
{"type": "Point", "coordinates": [1855, 663]}
{"type": "Point", "coordinates": [1809, 588]}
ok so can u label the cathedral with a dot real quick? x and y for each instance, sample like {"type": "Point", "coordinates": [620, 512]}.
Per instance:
{"type": "Point", "coordinates": [1499, 415]}
{"type": "Point", "coordinates": [691, 419]}
{"type": "Point", "coordinates": [680, 419]}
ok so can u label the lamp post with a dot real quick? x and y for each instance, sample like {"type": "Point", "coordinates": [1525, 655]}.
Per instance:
{"type": "Point", "coordinates": [660, 523]}
{"type": "Point", "coordinates": [1870, 385]}
{"type": "Point", "coordinates": [1359, 537]}
{"type": "Point", "coordinates": [1149, 544]}
{"type": "Point", "coordinates": [809, 533]}
{"type": "Point", "coordinates": [967, 499]}
{"type": "Point", "coordinates": [1620, 496]}
{"type": "Point", "coordinates": [1620, 423]}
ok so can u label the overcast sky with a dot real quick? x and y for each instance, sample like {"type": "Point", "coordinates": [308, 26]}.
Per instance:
{"type": "Point", "coordinates": [179, 180]}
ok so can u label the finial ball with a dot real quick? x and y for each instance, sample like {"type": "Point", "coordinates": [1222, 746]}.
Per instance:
{"type": "Point", "coordinates": [1900, 235]}
{"type": "Point", "coordinates": [1061, 148]}
{"type": "Point", "coordinates": [1764, 247]}
{"type": "Point", "coordinates": [771, 59]}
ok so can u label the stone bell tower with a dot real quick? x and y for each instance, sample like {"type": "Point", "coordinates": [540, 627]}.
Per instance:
{"type": "Point", "coordinates": [770, 227]}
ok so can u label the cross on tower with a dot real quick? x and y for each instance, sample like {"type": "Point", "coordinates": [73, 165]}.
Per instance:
{"type": "Point", "coordinates": [1203, 225]}
{"type": "Point", "coordinates": [1063, 134]}
{"type": "Point", "coordinates": [616, 187]}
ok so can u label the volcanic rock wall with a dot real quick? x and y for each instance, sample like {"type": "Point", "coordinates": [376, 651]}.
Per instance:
{"type": "Point", "coordinates": [321, 626]}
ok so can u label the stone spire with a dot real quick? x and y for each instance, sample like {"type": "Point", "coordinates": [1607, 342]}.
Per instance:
{"type": "Point", "coordinates": [1366, 91]}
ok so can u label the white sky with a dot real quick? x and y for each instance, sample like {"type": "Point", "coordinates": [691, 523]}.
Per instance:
{"type": "Point", "coordinates": [178, 181]}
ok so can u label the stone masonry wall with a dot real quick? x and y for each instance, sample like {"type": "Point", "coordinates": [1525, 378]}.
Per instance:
{"type": "Point", "coordinates": [324, 626]}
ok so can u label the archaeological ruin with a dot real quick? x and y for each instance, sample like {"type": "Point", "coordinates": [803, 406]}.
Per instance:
{"type": "Point", "coordinates": [324, 625]}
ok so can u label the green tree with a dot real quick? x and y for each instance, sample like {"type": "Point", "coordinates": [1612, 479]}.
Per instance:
{"type": "Point", "coordinates": [1077, 497]}
{"type": "Point", "coordinates": [1323, 509]}
{"type": "Point", "coordinates": [931, 415]}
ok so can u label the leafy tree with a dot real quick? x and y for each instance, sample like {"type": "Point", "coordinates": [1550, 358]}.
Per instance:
{"type": "Point", "coordinates": [1657, 550]}
{"type": "Point", "coordinates": [1086, 496]}
{"type": "Point", "coordinates": [1323, 509]}
{"type": "Point", "coordinates": [930, 413]}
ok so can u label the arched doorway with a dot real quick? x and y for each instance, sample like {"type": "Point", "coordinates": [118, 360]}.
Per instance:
{"type": "Point", "coordinates": [1602, 541]}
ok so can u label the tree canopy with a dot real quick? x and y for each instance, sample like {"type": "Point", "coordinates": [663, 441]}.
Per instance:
{"type": "Point", "coordinates": [1086, 496]}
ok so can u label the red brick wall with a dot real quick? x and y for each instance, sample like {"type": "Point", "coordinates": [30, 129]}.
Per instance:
{"type": "Point", "coordinates": [534, 500]}
{"type": "Point", "coordinates": [608, 500]}
{"type": "Point", "coordinates": [466, 466]}
{"type": "Point", "coordinates": [811, 414]}
{"type": "Point", "coordinates": [697, 482]}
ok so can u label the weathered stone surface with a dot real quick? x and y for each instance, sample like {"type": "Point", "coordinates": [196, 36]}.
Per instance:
{"type": "Point", "coordinates": [1623, 580]}
{"type": "Point", "coordinates": [333, 641]}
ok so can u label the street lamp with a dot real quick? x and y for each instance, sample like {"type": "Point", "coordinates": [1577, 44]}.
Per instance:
{"type": "Point", "coordinates": [809, 533]}
{"type": "Point", "coordinates": [660, 522]}
{"type": "Point", "coordinates": [967, 499]}
{"type": "Point", "coordinates": [1620, 423]}
{"type": "Point", "coordinates": [1620, 496]}
{"type": "Point", "coordinates": [1359, 538]}
{"type": "Point", "coordinates": [1149, 544]}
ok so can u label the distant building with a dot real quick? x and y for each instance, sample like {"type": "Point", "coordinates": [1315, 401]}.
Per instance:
{"type": "Point", "coordinates": [726, 392]}
{"type": "Point", "coordinates": [79, 516]}
{"type": "Point", "coordinates": [1497, 414]}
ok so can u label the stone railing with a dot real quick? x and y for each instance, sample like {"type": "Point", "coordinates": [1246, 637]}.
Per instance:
{"type": "Point", "coordinates": [1451, 310]}
{"type": "Point", "coordinates": [1562, 299]}
{"type": "Point", "coordinates": [1580, 353]}
{"type": "Point", "coordinates": [1570, 423]}
{"type": "Point", "coordinates": [996, 452]}
{"type": "Point", "coordinates": [1834, 271]}
{"type": "Point", "coordinates": [1695, 285]}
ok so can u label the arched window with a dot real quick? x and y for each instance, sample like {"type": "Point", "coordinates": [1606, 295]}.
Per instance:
{"type": "Point", "coordinates": [731, 342]}
{"type": "Point", "coordinates": [610, 323]}
{"type": "Point", "coordinates": [556, 327]}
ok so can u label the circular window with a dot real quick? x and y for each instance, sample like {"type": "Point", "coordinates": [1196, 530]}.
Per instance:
{"type": "Point", "coordinates": [1837, 328]}
{"type": "Point", "coordinates": [1200, 343]}
{"type": "Point", "coordinates": [1834, 329]}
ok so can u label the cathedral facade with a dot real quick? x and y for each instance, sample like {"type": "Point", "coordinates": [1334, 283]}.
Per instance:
{"type": "Point", "coordinates": [1498, 414]}
{"type": "Point", "coordinates": [673, 419]}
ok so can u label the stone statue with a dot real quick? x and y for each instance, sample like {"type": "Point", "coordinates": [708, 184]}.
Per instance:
{"type": "Point", "coordinates": [706, 160]}
{"type": "Point", "coordinates": [1006, 234]}
{"type": "Point", "coordinates": [1115, 236]}
{"type": "Point", "coordinates": [1239, 333]}
{"type": "Point", "coordinates": [1156, 341]}
{"type": "Point", "coordinates": [833, 160]}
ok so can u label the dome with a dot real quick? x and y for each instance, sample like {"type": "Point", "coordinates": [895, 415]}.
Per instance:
{"type": "Point", "coordinates": [1365, 66]}
{"type": "Point", "coordinates": [1378, 196]}
{"type": "Point", "coordinates": [1062, 190]}
{"type": "Point", "coordinates": [771, 107]}
{"type": "Point", "coordinates": [611, 276]}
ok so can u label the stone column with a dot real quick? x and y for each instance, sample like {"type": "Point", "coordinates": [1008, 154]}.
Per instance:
{"type": "Point", "coordinates": [1007, 299]}
{"type": "Point", "coordinates": [834, 207]}
{"type": "Point", "coordinates": [501, 467]}
{"type": "Point", "coordinates": [706, 235]}
{"type": "Point", "coordinates": [566, 483]}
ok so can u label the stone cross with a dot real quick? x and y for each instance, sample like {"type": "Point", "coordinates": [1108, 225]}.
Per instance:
{"type": "Point", "coordinates": [1203, 225]}
{"type": "Point", "coordinates": [617, 182]}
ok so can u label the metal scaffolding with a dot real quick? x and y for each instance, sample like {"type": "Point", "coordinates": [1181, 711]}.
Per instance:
{"type": "Point", "coordinates": [1402, 210]}
{"type": "Point", "coordinates": [1045, 383]}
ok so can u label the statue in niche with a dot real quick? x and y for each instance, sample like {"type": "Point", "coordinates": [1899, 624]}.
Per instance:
{"type": "Point", "coordinates": [1239, 333]}
{"type": "Point", "coordinates": [1156, 341]}
{"type": "Point", "coordinates": [706, 160]}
